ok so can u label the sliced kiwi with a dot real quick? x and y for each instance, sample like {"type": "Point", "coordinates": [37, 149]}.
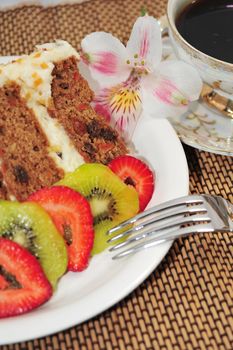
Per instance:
{"type": "Point", "coordinates": [29, 225]}
{"type": "Point", "coordinates": [111, 200]}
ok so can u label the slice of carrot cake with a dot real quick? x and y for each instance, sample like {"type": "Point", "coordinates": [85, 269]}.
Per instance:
{"type": "Point", "coordinates": [47, 125]}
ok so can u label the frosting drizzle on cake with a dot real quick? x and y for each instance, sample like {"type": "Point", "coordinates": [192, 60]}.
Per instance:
{"type": "Point", "coordinates": [47, 125]}
{"type": "Point", "coordinates": [33, 73]}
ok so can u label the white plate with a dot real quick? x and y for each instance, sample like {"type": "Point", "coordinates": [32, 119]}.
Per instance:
{"type": "Point", "coordinates": [81, 296]}
{"type": "Point", "coordinates": [6, 4]}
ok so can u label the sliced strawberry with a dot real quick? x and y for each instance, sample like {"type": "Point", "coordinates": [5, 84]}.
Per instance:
{"type": "Point", "coordinates": [23, 285]}
{"type": "Point", "coordinates": [71, 213]}
{"type": "Point", "coordinates": [3, 282]}
{"type": "Point", "coordinates": [136, 173]}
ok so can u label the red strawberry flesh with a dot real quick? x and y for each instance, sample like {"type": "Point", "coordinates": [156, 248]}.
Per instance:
{"type": "Point", "coordinates": [71, 213]}
{"type": "Point", "coordinates": [23, 285]}
{"type": "Point", "coordinates": [135, 172]}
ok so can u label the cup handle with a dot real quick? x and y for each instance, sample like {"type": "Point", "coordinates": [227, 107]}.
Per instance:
{"type": "Point", "coordinates": [208, 95]}
{"type": "Point", "coordinates": [216, 101]}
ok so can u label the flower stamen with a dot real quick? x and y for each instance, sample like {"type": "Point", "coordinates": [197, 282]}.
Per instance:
{"type": "Point", "coordinates": [135, 72]}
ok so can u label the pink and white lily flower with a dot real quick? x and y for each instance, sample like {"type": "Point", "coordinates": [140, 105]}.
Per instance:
{"type": "Point", "coordinates": [133, 78]}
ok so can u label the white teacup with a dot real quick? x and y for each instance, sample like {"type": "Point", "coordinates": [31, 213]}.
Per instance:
{"type": "Point", "coordinates": [216, 73]}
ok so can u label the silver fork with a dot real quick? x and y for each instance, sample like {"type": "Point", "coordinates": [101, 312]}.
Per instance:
{"type": "Point", "coordinates": [167, 221]}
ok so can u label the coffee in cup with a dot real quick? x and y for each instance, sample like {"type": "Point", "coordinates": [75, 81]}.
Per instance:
{"type": "Point", "coordinates": [207, 26]}
{"type": "Point", "coordinates": [201, 35]}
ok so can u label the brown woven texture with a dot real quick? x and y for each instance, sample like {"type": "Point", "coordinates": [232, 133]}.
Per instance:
{"type": "Point", "coordinates": [187, 301]}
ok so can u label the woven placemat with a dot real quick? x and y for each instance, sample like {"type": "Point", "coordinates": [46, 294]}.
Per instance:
{"type": "Point", "coordinates": [187, 302]}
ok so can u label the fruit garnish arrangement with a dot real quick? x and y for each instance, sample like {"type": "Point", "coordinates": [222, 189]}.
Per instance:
{"type": "Point", "coordinates": [59, 228]}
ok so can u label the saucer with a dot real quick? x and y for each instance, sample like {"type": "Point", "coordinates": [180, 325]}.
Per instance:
{"type": "Point", "coordinates": [201, 127]}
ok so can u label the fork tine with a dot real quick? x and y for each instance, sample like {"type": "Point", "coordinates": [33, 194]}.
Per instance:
{"type": "Point", "coordinates": [165, 215]}
{"type": "Point", "coordinates": [158, 231]}
{"type": "Point", "coordinates": [151, 243]}
{"type": "Point", "coordinates": [158, 208]}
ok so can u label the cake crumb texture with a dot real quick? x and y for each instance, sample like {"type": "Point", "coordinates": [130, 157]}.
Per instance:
{"type": "Point", "coordinates": [25, 163]}
{"type": "Point", "coordinates": [71, 96]}
{"type": "Point", "coordinates": [3, 189]}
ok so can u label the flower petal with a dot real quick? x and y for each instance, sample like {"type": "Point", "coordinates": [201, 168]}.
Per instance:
{"type": "Point", "coordinates": [170, 91]}
{"type": "Point", "coordinates": [154, 107]}
{"type": "Point", "coordinates": [106, 57]}
{"type": "Point", "coordinates": [183, 76]}
{"type": "Point", "coordinates": [121, 105]}
{"type": "Point", "coordinates": [145, 43]}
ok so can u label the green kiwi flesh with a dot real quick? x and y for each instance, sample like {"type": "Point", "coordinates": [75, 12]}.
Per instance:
{"type": "Point", "coordinates": [29, 225]}
{"type": "Point", "coordinates": [111, 200]}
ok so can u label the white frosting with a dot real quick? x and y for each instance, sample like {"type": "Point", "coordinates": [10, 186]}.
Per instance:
{"type": "Point", "coordinates": [33, 73]}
